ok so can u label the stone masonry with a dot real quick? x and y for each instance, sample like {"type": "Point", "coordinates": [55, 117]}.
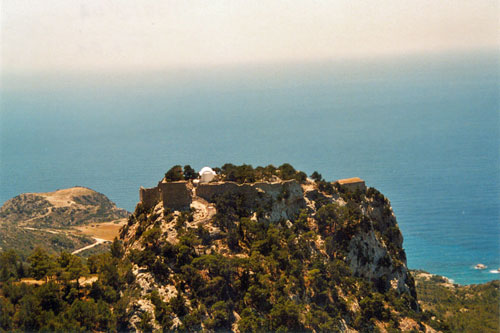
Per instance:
{"type": "Point", "coordinates": [285, 198]}
{"type": "Point", "coordinates": [149, 196]}
{"type": "Point", "coordinates": [353, 184]}
{"type": "Point", "coordinates": [175, 195]}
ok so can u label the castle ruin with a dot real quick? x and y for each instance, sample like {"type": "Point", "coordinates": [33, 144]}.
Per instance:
{"type": "Point", "coordinates": [284, 197]}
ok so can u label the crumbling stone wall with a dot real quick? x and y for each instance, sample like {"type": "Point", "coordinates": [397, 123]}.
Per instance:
{"type": "Point", "coordinates": [175, 195]}
{"type": "Point", "coordinates": [286, 198]}
{"type": "Point", "coordinates": [209, 191]}
{"type": "Point", "coordinates": [283, 199]}
{"type": "Point", "coordinates": [149, 196]}
{"type": "Point", "coordinates": [353, 186]}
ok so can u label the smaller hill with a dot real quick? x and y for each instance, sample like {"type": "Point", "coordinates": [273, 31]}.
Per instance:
{"type": "Point", "coordinates": [452, 307]}
{"type": "Point", "coordinates": [61, 208]}
{"type": "Point", "coordinates": [48, 219]}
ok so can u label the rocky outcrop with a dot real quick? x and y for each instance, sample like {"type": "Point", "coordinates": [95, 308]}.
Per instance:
{"type": "Point", "coordinates": [376, 253]}
{"type": "Point", "coordinates": [293, 238]}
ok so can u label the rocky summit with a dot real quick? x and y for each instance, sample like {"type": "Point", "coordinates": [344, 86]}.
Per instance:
{"type": "Point", "coordinates": [267, 249]}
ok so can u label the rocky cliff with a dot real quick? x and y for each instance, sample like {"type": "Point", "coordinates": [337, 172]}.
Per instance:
{"type": "Point", "coordinates": [300, 255]}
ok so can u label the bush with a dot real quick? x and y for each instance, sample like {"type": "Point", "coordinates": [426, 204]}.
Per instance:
{"type": "Point", "coordinates": [219, 317]}
{"type": "Point", "coordinates": [189, 173]}
{"type": "Point", "coordinates": [373, 307]}
{"type": "Point", "coordinates": [174, 174]}
{"type": "Point", "coordinates": [285, 315]}
{"type": "Point", "coordinates": [316, 176]}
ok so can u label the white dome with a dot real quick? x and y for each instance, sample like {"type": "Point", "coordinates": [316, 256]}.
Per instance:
{"type": "Point", "coordinates": [206, 170]}
{"type": "Point", "coordinates": [206, 175]}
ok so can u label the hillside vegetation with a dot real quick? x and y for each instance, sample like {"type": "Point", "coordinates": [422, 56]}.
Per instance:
{"type": "Point", "coordinates": [336, 265]}
{"type": "Point", "coordinates": [456, 308]}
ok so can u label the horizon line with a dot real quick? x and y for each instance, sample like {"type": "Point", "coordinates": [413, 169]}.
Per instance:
{"type": "Point", "coordinates": [405, 56]}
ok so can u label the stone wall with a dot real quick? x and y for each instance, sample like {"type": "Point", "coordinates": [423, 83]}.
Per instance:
{"type": "Point", "coordinates": [175, 195]}
{"type": "Point", "coordinates": [282, 199]}
{"type": "Point", "coordinates": [209, 191]}
{"type": "Point", "coordinates": [353, 184]}
{"type": "Point", "coordinates": [286, 198]}
{"type": "Point", "coordinates": [149, 196]}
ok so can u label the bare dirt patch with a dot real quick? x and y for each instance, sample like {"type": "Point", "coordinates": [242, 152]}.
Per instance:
{"type": "Point", "coordinates": [62, 198]}
{"type": "Point", "coordinates": [84, 280]}
{"type": "Point", "coordinates": [32, 281]}
{"type": "Point", "coordinates": [106, 231]}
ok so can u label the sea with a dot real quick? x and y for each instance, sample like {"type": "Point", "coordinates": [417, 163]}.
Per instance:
{"type": "Point", "coordinates": [422, 129]}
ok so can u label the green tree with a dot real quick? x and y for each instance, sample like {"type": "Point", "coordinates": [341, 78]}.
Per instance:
{"type": "Point", "coordinates": [26, 318]}
{"type": "Point", "coordinates": [178, 304]}
{"type": "Point", "coordinates": [251, 322]}
{"type": "Point", "coordinates": [151, 238]}
{"type": "Point", "coordinates": [6, 313]}
{"type": "Point", "coordinates": [85, 313]}
{"type": "Point", "coordinates": [117, 250]}
{"type": "Point", "coordinates": [146, 323]}
{"type": "Point", "coordinates": [286, 171]}
{"type": "Point", "coordinates": [50, 297]}
{"type": "Point", "coordinates": [42, 265]}
{"type": "Point", "coordinates": [174, 174]}
{"type": "Point", "coordinates": [285, 315]}
{"type": "Point", "coordinates": [9, 263]}
{"type": "Point", "coordinates": [189, 173]}
{"type": "Point", "coordinates": [316, 176]}
{"type": "Point", "coordinates": [71, 268]}
{"type": "Point", "coordinates": [373, 307]}
{"type": "Point", "coordinates": [219, 317]}
{"type": "Point", "coordinates": [300, 176]}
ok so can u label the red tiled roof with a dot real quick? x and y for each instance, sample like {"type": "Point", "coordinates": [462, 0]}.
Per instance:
{"type": "Point", "coordinates": [350, 180]}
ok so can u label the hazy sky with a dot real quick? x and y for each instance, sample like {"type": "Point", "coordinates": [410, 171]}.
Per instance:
{"type": "Point", "coordinates": [119, 34]}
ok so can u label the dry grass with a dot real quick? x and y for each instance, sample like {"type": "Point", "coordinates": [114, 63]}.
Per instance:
{"type": "Point", "coordinates": [84, 280]}
{"type": "Point", "coordinates": [62, 198]}
{"type": "Point", "coordinates": [107, 231]}
{"type": "Point", "coordinates": [31, 281]}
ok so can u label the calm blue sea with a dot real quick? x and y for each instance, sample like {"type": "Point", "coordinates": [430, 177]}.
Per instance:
{"type": "Point", "coordinates": [423, 130]}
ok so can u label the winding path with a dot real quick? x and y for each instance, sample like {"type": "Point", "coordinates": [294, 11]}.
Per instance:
{"type": "Point", "coordinates": [98, 241]}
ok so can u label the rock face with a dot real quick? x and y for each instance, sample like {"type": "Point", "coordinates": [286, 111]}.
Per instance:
{"type": "Point", "coordinates": [312, 244]}
{"type": "Point", "coordinates": [375, 251]}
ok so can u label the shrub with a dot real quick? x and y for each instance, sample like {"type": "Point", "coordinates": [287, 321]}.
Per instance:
{"type": "Point", "coordinates": [174, 174]}
{"type": "Point", "coordinates": [189, 173]}
{"type": "Point", "coordinates": [316, 176]}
